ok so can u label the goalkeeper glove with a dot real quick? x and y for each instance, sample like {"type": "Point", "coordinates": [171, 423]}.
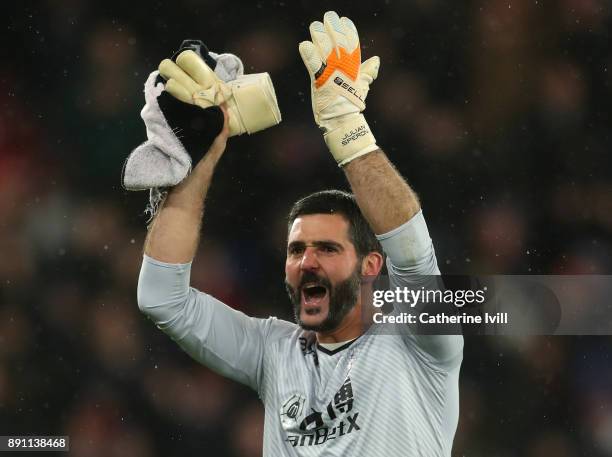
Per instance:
{"type": "Point", "coordinates": [250, 99]}
{"type": "Point", "coordinates": [195, 128]}
{"type": "Point", "coordinates": [178, 134]}
{"type": "Point", "coordinates": [339, 86]}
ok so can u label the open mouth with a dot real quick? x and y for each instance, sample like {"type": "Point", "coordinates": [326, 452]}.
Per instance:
{"type": "Point", "coordinates": [313, 296]}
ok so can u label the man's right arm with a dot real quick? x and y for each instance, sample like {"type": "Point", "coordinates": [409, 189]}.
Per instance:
{"type": "Point", "coordinates": [175, 232]}
{"type": "Point", "coordinates": [213, 333]}
{"type": "Point", "coordinates": [164, 293]}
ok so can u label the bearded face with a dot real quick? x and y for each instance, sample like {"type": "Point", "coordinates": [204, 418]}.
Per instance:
{"type": "Point", "coordinates": [322, 271]}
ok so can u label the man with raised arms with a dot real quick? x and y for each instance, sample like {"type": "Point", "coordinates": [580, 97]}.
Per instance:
{"type": "Point", "coordinates": [330, 384]}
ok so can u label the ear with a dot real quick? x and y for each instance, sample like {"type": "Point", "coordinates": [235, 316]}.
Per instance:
{"type": "Point", "coordinates": [372, 264]}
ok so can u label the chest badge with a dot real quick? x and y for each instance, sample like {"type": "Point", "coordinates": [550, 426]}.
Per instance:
{"type": "Point", "coordinates": [292, 409]}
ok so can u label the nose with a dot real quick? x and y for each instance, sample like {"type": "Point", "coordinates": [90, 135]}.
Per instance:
{"type": "Point", "coordinates": [310, 261]}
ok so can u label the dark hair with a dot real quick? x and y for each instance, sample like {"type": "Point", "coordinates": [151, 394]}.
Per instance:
{"type": "Point", "coordinates": [344, 204]}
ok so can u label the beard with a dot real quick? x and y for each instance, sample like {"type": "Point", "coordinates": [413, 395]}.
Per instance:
{"type": "Point", "coordinates": [342, 298]}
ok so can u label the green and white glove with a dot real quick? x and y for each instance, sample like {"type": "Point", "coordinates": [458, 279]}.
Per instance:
{"type": "Point", "coordinates": [339, 86]}
{"type": "Point", "coordinates": [250, 99]}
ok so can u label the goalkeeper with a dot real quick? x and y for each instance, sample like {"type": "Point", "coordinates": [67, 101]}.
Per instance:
{"type": "Point", "coordinates": [329, 385]}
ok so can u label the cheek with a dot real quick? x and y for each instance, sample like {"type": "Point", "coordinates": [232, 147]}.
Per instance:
{"type": "Point", "coordinates": [291, 272]}
{"type": "Point", "coordinates": [338, 270]}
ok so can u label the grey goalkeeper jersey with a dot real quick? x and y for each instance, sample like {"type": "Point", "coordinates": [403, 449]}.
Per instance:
{"type": "Point", "coordinates": [380, 395]}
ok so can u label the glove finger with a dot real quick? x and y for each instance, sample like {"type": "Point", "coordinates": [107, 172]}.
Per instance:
{"type": "Point", "coordinates": [178, 91]}
{"type": "Point", "coordinates": [196, 68]}
{"type": "Point", "coordinates": [369, 69]}
{"type": "Point", "coordinates": [320, 39]}
{"type": "Point", "coordinates": [335, 31]}
{"type": "Point", "coordinates": [311, 57]}
{"type": "Point", "coordinates": [352, 37]}
{"type": "Point", "coordinates": [170, 70]}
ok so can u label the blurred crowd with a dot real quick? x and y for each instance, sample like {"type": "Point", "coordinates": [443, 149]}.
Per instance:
{"type": "Point", "coordinates": [496, 111]}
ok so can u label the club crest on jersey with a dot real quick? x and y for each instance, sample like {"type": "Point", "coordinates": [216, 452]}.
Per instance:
{"type": "Point", "coordinates": [317, 427]}
{"type": "Point", "coordinates": [292, 409]}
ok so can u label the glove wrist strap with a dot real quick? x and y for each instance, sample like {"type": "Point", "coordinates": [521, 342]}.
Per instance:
{"type": "Point", "coordinates": [255, 102]}
{"type": "Point", "coordinates": [351, 139]}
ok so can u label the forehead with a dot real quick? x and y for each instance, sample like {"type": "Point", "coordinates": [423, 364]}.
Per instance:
{"type": "Point", "coordinates": [316, 227]}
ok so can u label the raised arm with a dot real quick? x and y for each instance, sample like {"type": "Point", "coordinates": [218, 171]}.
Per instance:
{"type": "Point", "coordinates": [213, 333]}
{"type": "Point", "coordinates": [175, 231]}
{"type": "Point", "coordinates": [339, 87]}
{"type": "Point", "coordinates": [393, 211]}
{"type": "Point", "coordinates": [385, 198]}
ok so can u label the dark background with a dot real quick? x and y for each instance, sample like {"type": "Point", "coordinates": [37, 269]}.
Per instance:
{"type": "Point", "coordinates": [497, 112]}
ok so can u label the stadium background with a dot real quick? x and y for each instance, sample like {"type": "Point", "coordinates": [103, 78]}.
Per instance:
{"type": "Point", "coordinates": [497, 112]}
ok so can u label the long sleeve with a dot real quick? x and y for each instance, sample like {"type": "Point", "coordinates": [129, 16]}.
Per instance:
{"type": "Point", "coordinates": [411, 261]}
{"type": "Point", "coordinates": [214, 334]}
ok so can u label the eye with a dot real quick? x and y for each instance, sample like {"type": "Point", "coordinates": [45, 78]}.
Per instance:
{"type": "Point", "coordinates": [329, 249]}
{"type": "Point", "coordinates": [295, 249]}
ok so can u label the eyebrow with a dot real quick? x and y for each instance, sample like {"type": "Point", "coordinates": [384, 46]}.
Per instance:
{"type": "Point", "coordinates": [316, 244]}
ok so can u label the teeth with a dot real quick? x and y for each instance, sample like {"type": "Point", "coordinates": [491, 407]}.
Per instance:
{"type": "Point", "coordinates": [313, 286]}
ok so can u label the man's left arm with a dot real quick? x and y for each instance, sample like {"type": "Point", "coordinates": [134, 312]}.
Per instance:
{"type": "Point", "coordinates": [339, 86]}
{"type": "Point", "coordinates": [384, 197]}
{"type": "Point", "coordinates": [393, 211]}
